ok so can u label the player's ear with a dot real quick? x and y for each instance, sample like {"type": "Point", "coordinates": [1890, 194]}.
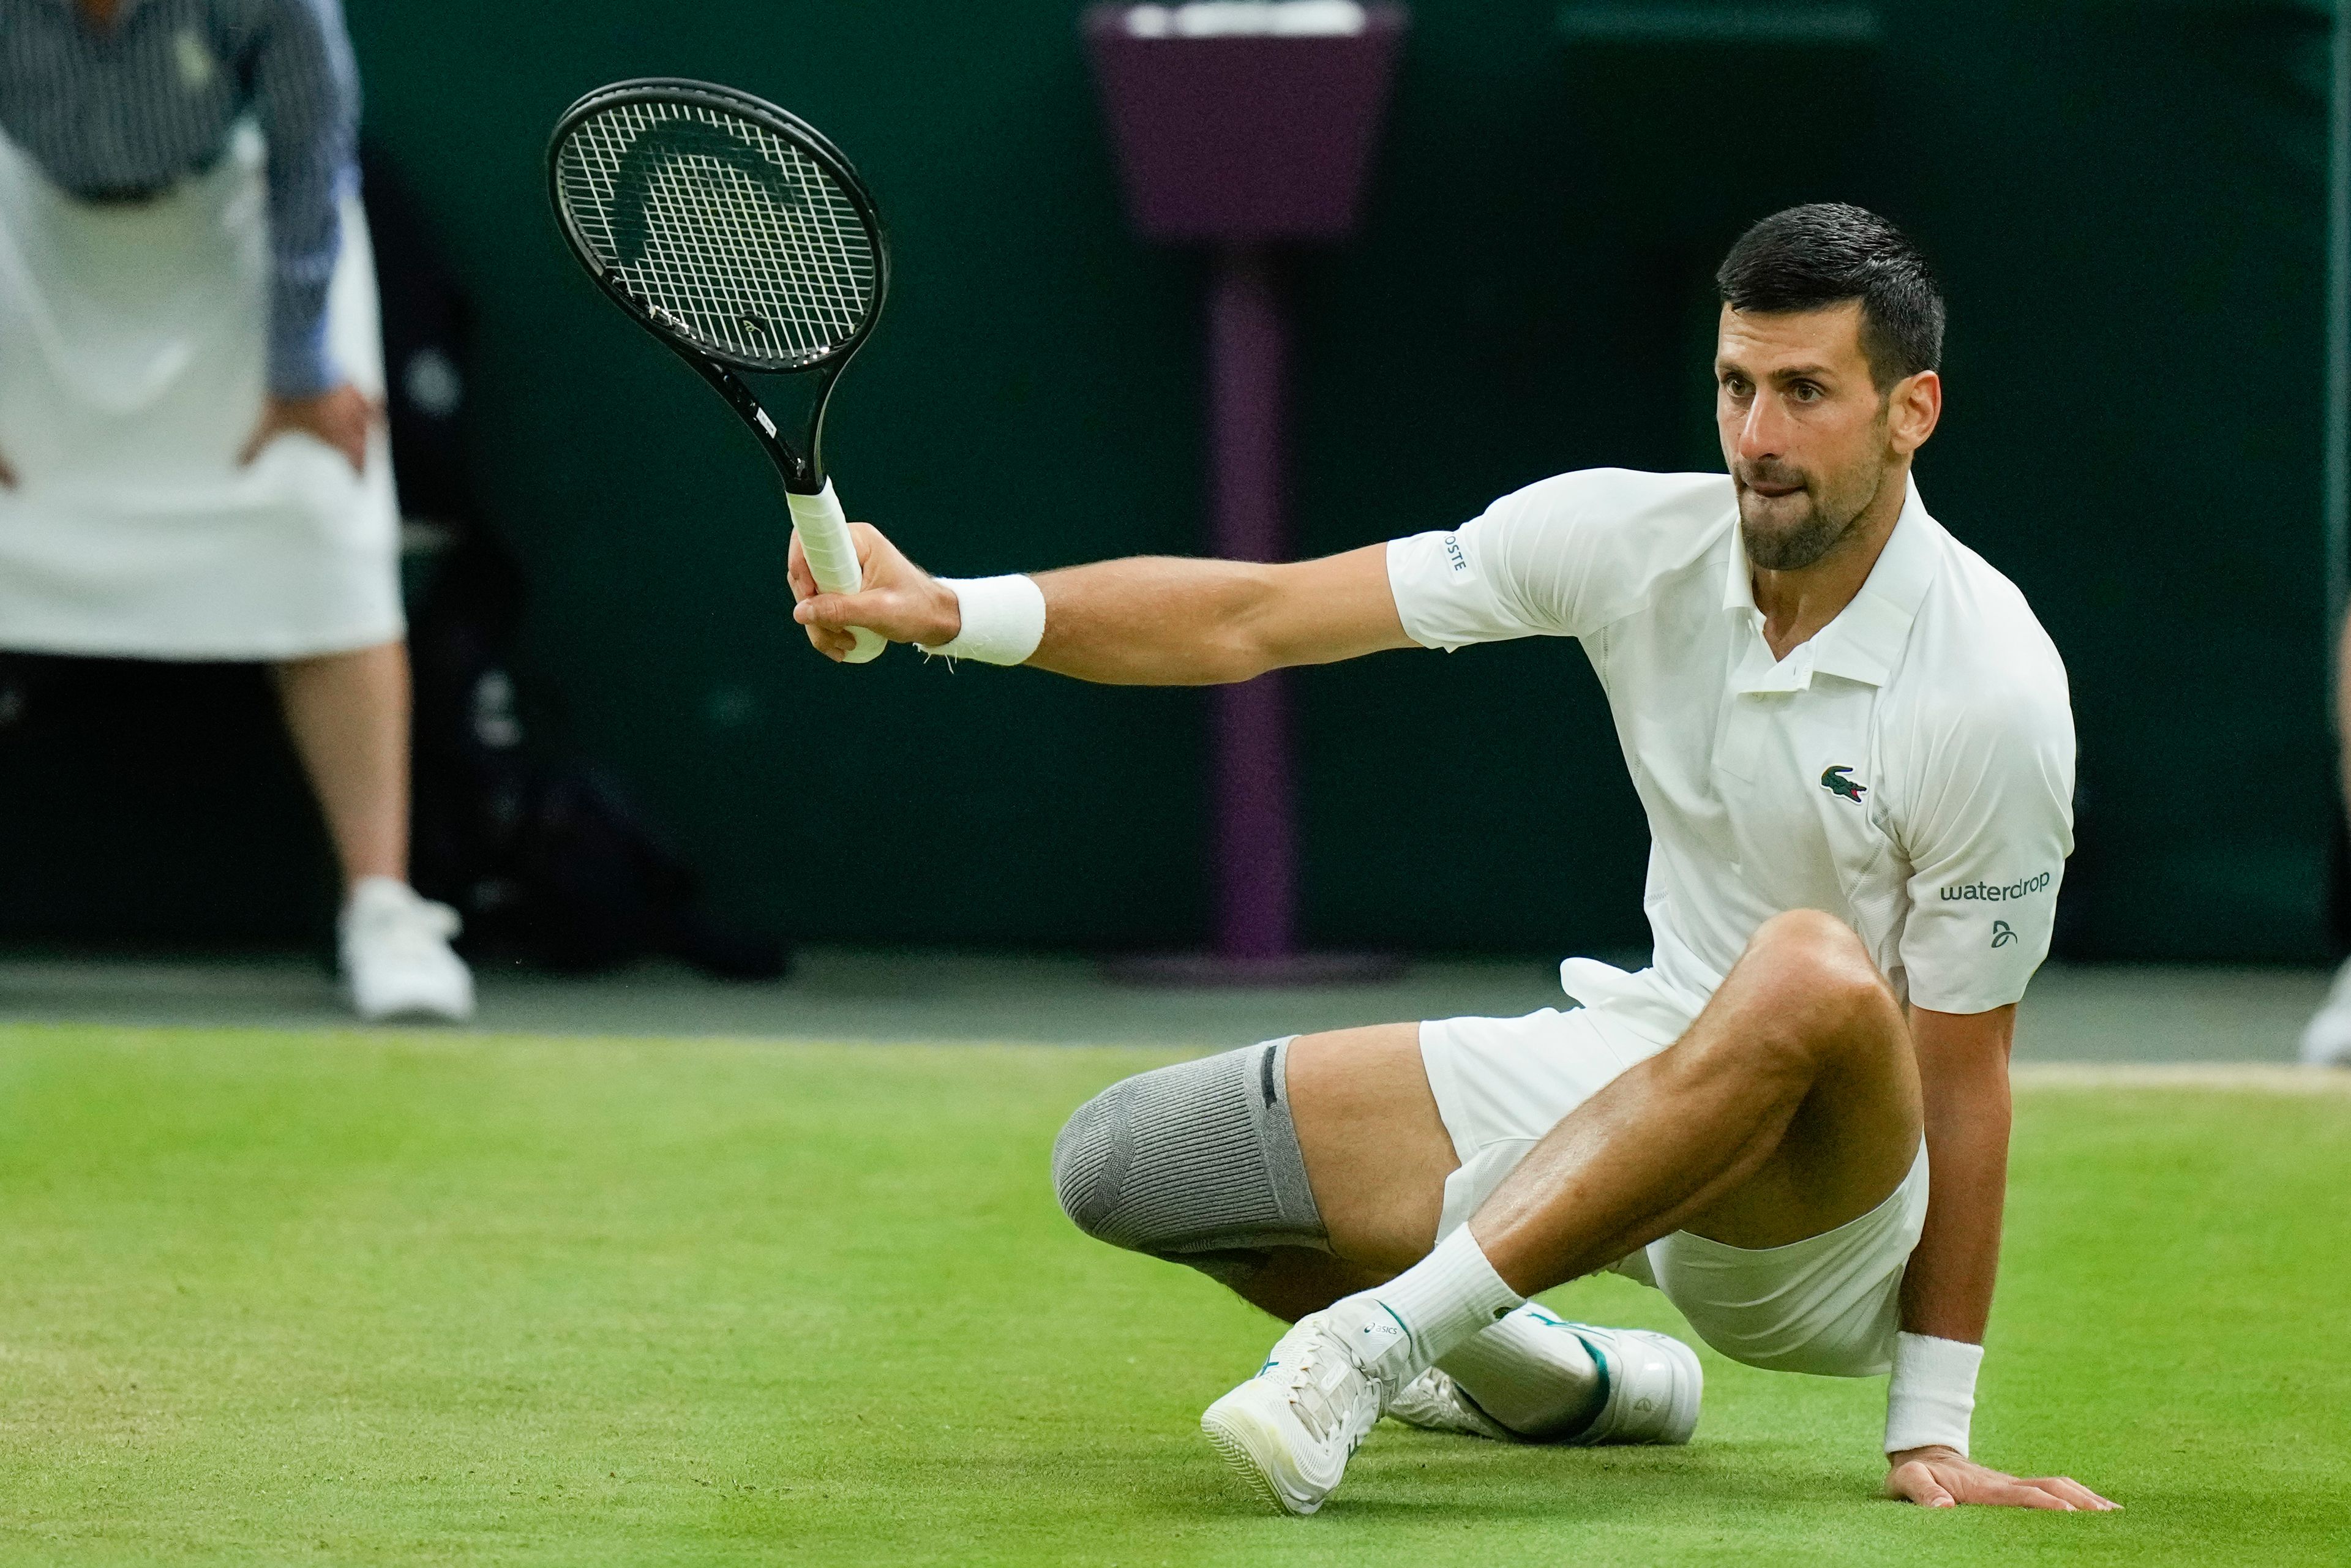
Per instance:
{"type": "Point", "coordinates": [1913, 408]}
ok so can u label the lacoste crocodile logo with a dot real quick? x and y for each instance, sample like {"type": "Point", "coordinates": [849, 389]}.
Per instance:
{"type": "Point", "coordinates": [1835, 782]}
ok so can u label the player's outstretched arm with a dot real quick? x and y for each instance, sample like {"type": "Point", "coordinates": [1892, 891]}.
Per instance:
{"type": "Point", "coordinates": [1147, 620]}
{"type": "Point", "coordinates": [1947, 1290]}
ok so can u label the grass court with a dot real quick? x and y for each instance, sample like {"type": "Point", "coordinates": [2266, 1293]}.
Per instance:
{"type": "Point", "coordinates": [282, 1297]}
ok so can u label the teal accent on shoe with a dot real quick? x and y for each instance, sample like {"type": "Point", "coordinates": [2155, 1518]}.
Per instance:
{"type": "Point", "coordinates": [1600, 1408]}
{"type": "Point", "coordinates": [1599, 1361]}
{"type": "Point", "coordinates": [1410, 1338]}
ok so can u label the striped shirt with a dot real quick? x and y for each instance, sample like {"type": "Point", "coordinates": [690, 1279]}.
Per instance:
{"type": "Point", "coordinates": [118, 112]}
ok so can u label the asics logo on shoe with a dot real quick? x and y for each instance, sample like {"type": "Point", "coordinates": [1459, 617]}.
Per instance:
{"type": "Point", "coordinates": [1376, 1335]}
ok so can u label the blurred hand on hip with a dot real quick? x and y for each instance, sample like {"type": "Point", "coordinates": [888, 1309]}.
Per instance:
{"type": "Point", "coordinates": [340, 417]}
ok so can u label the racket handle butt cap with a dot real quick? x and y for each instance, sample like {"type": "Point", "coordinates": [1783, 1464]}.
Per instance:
{"type": "Point", "coordinates": [832, 554]}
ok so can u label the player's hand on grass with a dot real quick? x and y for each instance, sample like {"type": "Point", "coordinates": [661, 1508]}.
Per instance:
{"type": "Point", "coordinates": [1943, 1478]}
{"type": "Point", "coordinates": [900, 600]}
{"type": "Point", "coordinates": [340, 417]}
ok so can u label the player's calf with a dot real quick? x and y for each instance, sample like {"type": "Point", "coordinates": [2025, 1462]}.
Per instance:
{"type": "Point", "coordinates": [1804, 1051]}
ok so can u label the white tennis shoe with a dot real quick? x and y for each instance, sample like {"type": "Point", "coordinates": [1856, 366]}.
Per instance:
{"type": "Point", "coordinates": [1651, 1384]}
{"type": "Point", "coordinates": [1289, 1431]}
{"type": "Point", "coordinates": [1435, 1402]}
{"type": "Point", "coordinates": [2326, 1042]}
{"type": "Point", "coordinates": [396, 959]}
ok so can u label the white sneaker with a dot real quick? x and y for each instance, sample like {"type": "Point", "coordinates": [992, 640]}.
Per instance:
{"type": "Point", "coordinates": [1651, 1389]}
{"type": "Point", "coordinates": [1435, 1402]}
{"type": "Point", "coordinates": [396, 956]}
{"type": "Point", "coordinates": [1288, 1432]}
{"type": "Point", "coordinates": [2327, 1040]}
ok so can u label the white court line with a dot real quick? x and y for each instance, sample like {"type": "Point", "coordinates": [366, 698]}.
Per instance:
{"type": "Point", "coordinates": [2271, 1078]}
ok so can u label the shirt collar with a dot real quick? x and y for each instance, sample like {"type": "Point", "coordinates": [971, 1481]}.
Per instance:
{"type": "Point", "coordinates": [1865, 638]}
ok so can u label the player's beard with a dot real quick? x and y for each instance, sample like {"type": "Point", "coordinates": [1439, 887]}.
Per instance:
{"type": "Point", "coordinates": [1790, 532]}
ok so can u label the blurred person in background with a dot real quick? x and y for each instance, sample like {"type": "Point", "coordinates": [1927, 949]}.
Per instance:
{"type": "Point", "coordinates": [2326, 1042]}
{"type": "Point", "coordinates": [191, 457]}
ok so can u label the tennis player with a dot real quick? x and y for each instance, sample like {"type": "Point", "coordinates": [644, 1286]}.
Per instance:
{"type": "Point", "coordinates": [191, 462]}
{"type": "Point", "coordinates": [1855, 748]}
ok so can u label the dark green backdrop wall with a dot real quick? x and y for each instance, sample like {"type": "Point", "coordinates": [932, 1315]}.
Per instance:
{"type": "Point", "coordinates": [2127, 203]}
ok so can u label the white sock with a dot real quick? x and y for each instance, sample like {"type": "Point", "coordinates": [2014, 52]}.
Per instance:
{"type": "Point", "coordinates": [1399, 1329]}
{"type": "Point", "coordinates": [1534, 1378]}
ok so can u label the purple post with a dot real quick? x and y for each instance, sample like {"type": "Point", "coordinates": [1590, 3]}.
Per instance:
{"type": "Point", "coordinates": [1244, 138]}
{"type": "Point", "coordinates": [1239, 141]}
{"type": "Point", "coordinates": [1256, 851]}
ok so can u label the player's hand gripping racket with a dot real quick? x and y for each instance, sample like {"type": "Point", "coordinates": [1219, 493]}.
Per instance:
{"type": "Point", "coordinates": [742, 238]}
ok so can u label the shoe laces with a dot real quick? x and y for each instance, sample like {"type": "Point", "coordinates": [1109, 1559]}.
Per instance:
{"type": "Point", "coordinates": [1314, 1382]}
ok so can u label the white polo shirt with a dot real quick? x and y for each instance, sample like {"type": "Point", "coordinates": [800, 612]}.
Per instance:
{"type": "Point", "coordinates": [1909, 769]}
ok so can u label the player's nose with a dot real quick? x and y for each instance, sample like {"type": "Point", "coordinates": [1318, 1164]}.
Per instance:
{"type": "Point", "coordinates": [1761, 433]}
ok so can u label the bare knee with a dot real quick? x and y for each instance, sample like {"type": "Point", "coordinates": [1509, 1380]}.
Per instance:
{"type": "Point", "coordinates": [1810, 976]}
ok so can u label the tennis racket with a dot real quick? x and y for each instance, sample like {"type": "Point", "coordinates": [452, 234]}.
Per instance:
{"type": "Point", "coordinates": [740, 238]}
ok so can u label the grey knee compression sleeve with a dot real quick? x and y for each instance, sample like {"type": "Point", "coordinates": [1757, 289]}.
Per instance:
{"type": "Point", "coordinates": [1198, 1163]}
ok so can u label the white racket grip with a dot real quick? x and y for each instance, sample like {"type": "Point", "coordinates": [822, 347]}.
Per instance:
{"type": "Point", "coordinates": [832, 554]}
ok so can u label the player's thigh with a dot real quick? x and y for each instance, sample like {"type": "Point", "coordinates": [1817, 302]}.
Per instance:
{"type": "Point", "coordinates": [1375, 1149]}
{"type": "Point", "coordinates": [1852, 1138]}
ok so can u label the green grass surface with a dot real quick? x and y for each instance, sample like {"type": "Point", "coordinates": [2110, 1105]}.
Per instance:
{"type": "Point", "coordinates": [348, 1298]}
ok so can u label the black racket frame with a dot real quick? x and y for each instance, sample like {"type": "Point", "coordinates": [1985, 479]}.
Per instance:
{"type": "Point", "coordinates": [803, 474]}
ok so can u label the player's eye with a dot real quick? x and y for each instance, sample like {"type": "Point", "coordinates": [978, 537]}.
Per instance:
{"type": "Point", "coordinates": [1805, 391]}
{"type": "Point", "coordinates": [1735, 385]}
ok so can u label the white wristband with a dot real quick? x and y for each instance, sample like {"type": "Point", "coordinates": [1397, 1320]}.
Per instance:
{"type": "Point", "coordinates": [1932, 1393]}
{"type": "Point", "coordinates": [1003, 619]}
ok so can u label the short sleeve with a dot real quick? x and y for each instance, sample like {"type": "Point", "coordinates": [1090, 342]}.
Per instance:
{"type": "Point", "coordinates": [1988, 838]}
{"type": "Point", "coordinates": [1558, 558]}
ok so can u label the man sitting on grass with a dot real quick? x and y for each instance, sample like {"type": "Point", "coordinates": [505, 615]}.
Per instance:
{"type": "Point", "coordinates": [1855, 749]}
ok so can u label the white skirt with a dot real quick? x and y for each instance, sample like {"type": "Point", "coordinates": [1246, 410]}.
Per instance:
{"type": "Point", "coordinates": [133, 342]}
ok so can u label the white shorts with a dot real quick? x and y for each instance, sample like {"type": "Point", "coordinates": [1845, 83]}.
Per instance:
{"type": "Point", "coordinates": [1828, 1305]}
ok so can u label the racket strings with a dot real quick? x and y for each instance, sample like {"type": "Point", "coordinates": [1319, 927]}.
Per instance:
{"type": "Point", "coordinates": [744, 241]}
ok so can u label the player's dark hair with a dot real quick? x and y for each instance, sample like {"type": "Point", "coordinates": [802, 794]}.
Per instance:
{"type": "Point", "coordinates": [1826, 253]}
